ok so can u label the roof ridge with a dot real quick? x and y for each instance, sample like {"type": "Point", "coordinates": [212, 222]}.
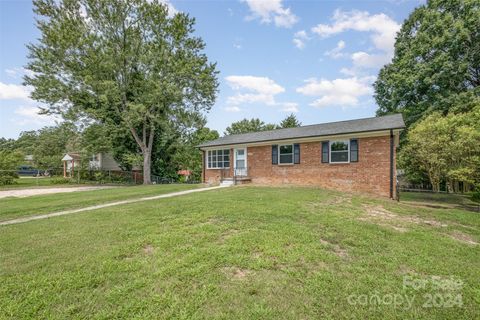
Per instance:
{"type": "Point", "coordinates": [311, 125]}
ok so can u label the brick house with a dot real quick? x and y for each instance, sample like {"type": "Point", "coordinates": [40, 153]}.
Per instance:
{"type": "Point", "coordinates": [355, 155]}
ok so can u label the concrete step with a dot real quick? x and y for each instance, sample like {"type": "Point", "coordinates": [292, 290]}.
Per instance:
{"type": "Point", "coordinates": [226, 182]}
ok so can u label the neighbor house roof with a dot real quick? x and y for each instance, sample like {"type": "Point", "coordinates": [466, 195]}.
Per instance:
{"type": "Point", "coordinates": [394, 121]}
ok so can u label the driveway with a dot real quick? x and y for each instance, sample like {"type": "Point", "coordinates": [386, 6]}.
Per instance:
{"type": "Point", "coordinates": [21, 193]}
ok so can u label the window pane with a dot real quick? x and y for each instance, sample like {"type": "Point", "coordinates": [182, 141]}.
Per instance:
{"type": "Point", "coordinates": [226, 164]}
{"type": "Point", "coordinates": [339, 156]}
{"type": "Point", "coordinates": [226, 151]}
{"type": "Point", "coordinates": [220, 152]}
{"type": "Point", "coordinates": [286, 158]}
{"type": "Point", "coordinates": [286, 149]}
{"type": "Point", "coordinates": [339, 146]}
{"type": "Point", "coordinates": [241, 164]}
{"type": "Point", "coordinates": [354, 156]}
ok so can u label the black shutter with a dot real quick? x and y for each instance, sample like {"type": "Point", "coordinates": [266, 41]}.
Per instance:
{"type": "Point", "coordinates": [274, 154]}
{"type": "Point", "coordinates": [353, 150]}
{"type": "Point", "coordinates": [296, 153]}
{"type": "Point", "coordinates": [325, 152]}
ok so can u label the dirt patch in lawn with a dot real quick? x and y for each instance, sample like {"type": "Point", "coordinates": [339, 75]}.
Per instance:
{"type": "Point", "coordinates": [332, 201]}
{"type": "Point", "coordinates": [235, 273]}
{"type": "Point", "coordinates": [148, 249]}
{"type": "Point", "coordinates": [335, 248]}
{"type": "Point", "coordinates": [462, 237]}
{"type": "Point", "coordinates": [381, 216]}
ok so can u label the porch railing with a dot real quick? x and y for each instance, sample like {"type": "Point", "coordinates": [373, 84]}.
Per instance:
{"type": "Point", "coordinates": [240, 172]}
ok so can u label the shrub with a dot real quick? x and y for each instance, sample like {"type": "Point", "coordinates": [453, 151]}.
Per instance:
{"type": "Point", "coordinates": [8, 178]}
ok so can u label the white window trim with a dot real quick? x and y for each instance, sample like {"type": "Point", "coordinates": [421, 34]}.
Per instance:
{"type": "Point", "coordinates": [330, 151]}
{"type": "Point", "coordinates": [293, 154]}
{"type": "Point", "coordinates": [207, 163]}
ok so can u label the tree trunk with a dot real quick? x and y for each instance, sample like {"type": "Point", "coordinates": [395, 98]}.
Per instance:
{"type": "Point", "coordinates": [147, 161]}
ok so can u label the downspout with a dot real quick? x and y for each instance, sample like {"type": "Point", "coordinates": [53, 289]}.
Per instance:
{"type": "Point", "coordinates": [392, 144]}
{"type": "Point", "coordinates": [203, 166]}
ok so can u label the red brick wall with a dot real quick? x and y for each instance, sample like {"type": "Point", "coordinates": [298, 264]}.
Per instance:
{"type": "Point", "coordinates": [213, 175]}
{"type": "Point", "coordinates": [371, 174]}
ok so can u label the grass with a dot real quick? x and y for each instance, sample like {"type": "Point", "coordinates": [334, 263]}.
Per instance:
{"type": "Point", "coordinates": [242, 253]}
{"type": "Point", "coordinates": [19, 207]}
{"type": "Point", "coordinates": [33, 182]}
{"type": "Point", "coordinates": [440, 199]}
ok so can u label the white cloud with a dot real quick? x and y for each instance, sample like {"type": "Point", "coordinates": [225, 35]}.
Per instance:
{"type": "Point", "coordinates": [365, 60]}
{"type": "Point", "coordinates": [337, 51]}
{"type": "Point", "coordinates": [232, 109]}
{"type": "Point", "coordinates": [383, 27]}
{"type": "Point", "coordinates": [269, 11]}
{"type": "Point", "coordinates": [14, 91]}
{"type": "Point", "coordinates": [29, 115]}
{"type": "Point", "coordinates": [17, 73]}
{"type": "Point", "coordinates": [383, 30]}
{"type": "Point", "coordinates": [290, 107]}
{"type": "Point", "coordinates": [338, 92]}
{"type": "Point", "coordinates": [299, 39]}
{"type": "Point", "coordinates": [259, 89]}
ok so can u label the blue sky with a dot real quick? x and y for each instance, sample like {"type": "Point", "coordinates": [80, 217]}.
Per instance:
{"type": "Point", "coordinates": [317, 59]}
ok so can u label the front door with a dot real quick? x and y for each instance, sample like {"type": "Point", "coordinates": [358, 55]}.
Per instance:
{"type": "Point", "coordinates": [240, 162]}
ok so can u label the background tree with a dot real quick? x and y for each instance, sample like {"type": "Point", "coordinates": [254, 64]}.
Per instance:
{"type": "Point", "coordinates": [188, 157]}
{"type": "Point", "coordinates": [121, 63]}
{"type": "Point", "coordinates": [245, 126]}
{"type": "Point", "coordinates": [53, 142]}
{"type": "Point", "coordinates": [290, 121]}
{"type": "Point", "coordinates": [447, 148]}
{"type": "Point", "coordinates": [436, 65]}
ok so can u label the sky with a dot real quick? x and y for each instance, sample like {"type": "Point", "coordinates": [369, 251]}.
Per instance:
{"type": "Point", "coordinates": [317, 59]}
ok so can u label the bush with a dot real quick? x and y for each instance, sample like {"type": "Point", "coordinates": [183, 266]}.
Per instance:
{"type": "Point", "coordinates": [8, 178]}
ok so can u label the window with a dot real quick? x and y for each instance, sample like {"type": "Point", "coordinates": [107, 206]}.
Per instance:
{"type": "Point", "coordinates": [353, 150]}
{"type": "Point", "coordinates": [285, 154]}
{"type": "Point", "coordinates": [339, 151]}
{"type": "Point", "coordinates": [218, 159]}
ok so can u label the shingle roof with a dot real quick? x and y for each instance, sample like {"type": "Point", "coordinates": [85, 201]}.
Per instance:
{"type": "Point", "coordinates": [394, 121]}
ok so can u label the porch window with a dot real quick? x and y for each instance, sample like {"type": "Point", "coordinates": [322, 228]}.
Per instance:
{"type": "Point", "coordinates": [218, 159]}
{"type": "Point", "coordinates": [285, 154]}
{"type": "Point", "coordinates": [339, 151]}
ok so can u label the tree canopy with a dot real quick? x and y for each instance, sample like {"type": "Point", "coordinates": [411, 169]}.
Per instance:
{"type": "Point", "coordinates": [436, 65]}
{"type": "Point", "coordinates": [255, 125]}
{"type": "Point", "coordinates": [127, 64]}
{"type": "Point", "coordinates": [246, 125]}
{"type": "Point", "coordinates": [447, 148]}
{"type": "Point", "coordinates": [290, 121]}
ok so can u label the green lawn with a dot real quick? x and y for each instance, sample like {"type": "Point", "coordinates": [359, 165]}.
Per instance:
{"type": "Point", "coordinates": [18, 207]}
{"type": "Point", "coordinates": [245, 253]}
{"type": "Point", "coordinates": [33, 182]}
{"type": "Point", "coordinates": [440, 199]}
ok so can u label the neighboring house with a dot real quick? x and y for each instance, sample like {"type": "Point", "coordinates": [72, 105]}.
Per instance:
{"type": "Point", "coordinates": [98, 161]}
{"type": "Point", "coordinates": [28, 159]}
{"type": "Point", "coordinates": [356, 155]}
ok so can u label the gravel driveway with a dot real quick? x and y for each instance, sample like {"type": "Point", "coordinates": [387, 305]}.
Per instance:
{"type": "Point", "coordinates": [21, 193]}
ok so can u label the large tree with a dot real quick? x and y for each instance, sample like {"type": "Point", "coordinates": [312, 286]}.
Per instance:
{"type": "Point", "coordinates": [124, 63]}
{"type": "Point", "coordinates": [436, 65]}
{"type": "Point", "coordinates": [246, 125]}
